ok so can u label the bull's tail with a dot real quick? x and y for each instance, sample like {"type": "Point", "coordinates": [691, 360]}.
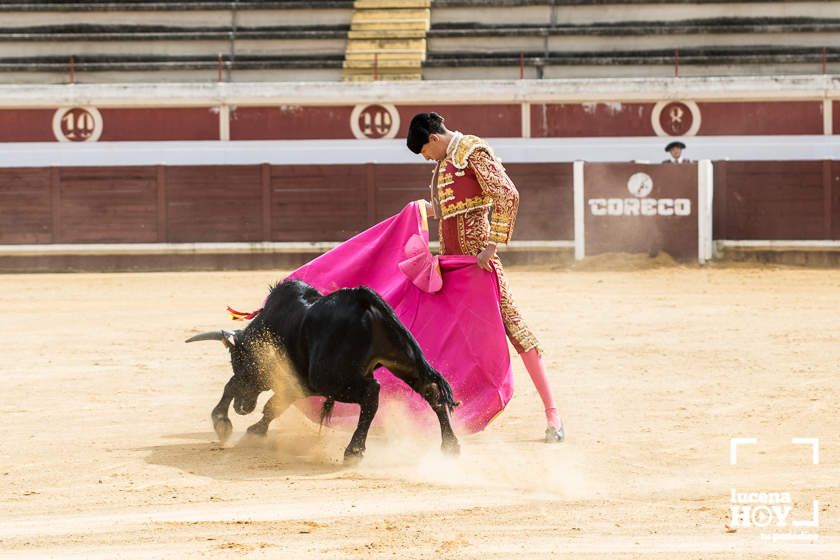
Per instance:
{"type": "Point", "coordinates": [326, 411]}
{"type": "Point", "coordinates": [407, 339]}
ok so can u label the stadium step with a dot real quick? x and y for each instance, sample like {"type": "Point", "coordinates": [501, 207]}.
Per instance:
{"type": "Point", "coordinates": [396, 19]}
{"type": "Point", "coordinates": [388, 4]}
{"type": "Point", "coordinates": [388, 34]}
{"type": "Point", "coordinates": [387, 40]}
{"type": "Point", "coordinates": [387, 45]}
{"type": "Point", "coordinates": [382, 25]}
{"type": "Point", "coordinates": [393, 14]}
{"type": "Point", "coordinates": [390, 77]}
{"type": "Point", "coordinates": [383, 65]}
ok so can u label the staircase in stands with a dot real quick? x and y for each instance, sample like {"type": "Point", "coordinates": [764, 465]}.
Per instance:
{"type": "Point", "coordinates": [387, 40]}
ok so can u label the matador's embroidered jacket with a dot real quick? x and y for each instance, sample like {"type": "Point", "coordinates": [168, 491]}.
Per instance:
{"type": "Point", "coordinates": [471, 182]}
{"type": "Point", "coordinates": [477, 204]}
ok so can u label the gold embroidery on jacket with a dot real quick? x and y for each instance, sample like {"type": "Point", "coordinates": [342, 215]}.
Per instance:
{"type": "Point", "coordinates": [445, 180]}
{"type": "Point", "coordinates": [445, 195]}
{"type": "Point", "coordinates": [465, 147]}
{"type": "Point", "coordinates": [498, 188]}
{"type": "Point", "coordinates": [520, 335]}
{"type": "Point", "coordinates": [455, 208]}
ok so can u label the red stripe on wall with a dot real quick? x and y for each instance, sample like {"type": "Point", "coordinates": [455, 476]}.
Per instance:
{"type": "Point", "coordinates": [290, 122]}
{"type": "Point", "coordinates": [131, 124]}
{"type": "Point", "coordinates": [26, 125]}
{"type": "Point", "coordinates": [717, 118]}
{"type": "Point", "coordinates": [495, 121]}
{"type": "Point", "coordinates": [591, 119]}
{"type": "Point", "coordinates": [769, 117]}
{"type": "Point", "coordinates": [160, 123]}
{"type": "Point", "coordinates": [295, 122]}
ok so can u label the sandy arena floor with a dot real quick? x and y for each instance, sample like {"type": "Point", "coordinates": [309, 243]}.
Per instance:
{"type": "Point", "coordinates": [108, 451]}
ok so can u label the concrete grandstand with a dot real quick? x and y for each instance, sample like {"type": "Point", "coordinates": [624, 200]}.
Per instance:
{"type": "Point", "coordinates": [43, 41]}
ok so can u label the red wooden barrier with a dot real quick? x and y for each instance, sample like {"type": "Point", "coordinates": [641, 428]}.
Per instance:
{"type": "Point", "coordinates": [244, 202]}
{"type": "Point", "coordinates": [754, 200]}
{"type": "Point", "coordinates": [790, 200]}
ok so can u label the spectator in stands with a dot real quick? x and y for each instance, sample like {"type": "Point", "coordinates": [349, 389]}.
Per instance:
{"type": "Point", "coordinates": [675, 151]}
{"type": "Point", "coordinates": [477, 204]}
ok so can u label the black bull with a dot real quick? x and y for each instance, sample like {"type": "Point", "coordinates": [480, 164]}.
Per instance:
{"type": "Point", "coordinates": [329, 346]}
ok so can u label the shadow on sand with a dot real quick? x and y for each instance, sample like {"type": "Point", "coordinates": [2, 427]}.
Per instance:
{"type": "Point", "coordinates": [279, 454]}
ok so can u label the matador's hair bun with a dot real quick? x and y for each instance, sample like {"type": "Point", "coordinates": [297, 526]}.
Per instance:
{"type": "Point", "coordinates": [422, 125]}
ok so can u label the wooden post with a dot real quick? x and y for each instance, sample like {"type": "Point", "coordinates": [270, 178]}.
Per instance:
{"type": "Point", "coordinates": [371, 194]}
{"type": "Point", "coordinates": [720, 195]}
{"type": "Point", "coordinates": [265, 181]}
{"type": "Point", "coordinates": [55, 204]}
{"type": "Point", "coordinates": [161, 204]}
{"type": "Point", "coordinates": [827, 184]}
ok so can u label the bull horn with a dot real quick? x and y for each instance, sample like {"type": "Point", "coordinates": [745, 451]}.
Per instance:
{"type": "Point", "coordinates": [228, 338]}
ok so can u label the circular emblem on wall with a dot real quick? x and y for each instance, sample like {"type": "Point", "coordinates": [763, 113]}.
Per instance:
{"type": "Point", "coordinates": [640, 184]}
{"type": "Point", "coordinates": [77, 124]}
{"type": "Point", "coordinates": [676, 118]}
{"type": "Point", "coordinates": [376, 121]}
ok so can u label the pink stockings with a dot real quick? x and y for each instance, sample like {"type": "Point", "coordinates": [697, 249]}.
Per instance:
{"type": "Point", "coordinates": [536, 369]}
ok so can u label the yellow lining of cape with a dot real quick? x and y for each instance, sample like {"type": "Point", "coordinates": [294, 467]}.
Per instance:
{"type": "Point", "coordinates": [424, 219]}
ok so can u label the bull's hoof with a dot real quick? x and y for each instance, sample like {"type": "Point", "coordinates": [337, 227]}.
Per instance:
{"type": "Point", "coordinates": [353, 457]}
{"type": "Point", "coordinates": [223, 427]}
{"type": "Point", "coordinates": [258, 429]}
{"type": "Point", "coordinates": [451, 447]}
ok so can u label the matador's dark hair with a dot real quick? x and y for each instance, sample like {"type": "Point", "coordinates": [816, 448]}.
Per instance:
{"type": "Point", "coordinates": [422, 125]}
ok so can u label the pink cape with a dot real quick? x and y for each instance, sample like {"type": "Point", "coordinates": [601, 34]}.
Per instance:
{"type": "Point", "coordinates": [459, 326]}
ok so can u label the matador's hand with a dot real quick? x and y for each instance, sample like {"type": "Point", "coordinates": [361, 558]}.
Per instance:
{"type": "Point", "coordinates": [484, 257]}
